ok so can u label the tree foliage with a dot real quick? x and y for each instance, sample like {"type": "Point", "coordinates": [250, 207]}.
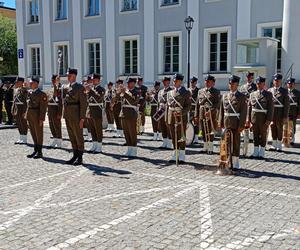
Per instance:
{"type": "Point", "coordinates": [8, 46]}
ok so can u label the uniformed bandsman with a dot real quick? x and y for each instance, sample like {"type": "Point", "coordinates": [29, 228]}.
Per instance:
{"type": "Point", "coordinates": [109, 113]}
{"type": "Point", "coordinates": [179, 104]}
{"type": "Point", "coordinates": [116, 104]}
{"type": "Point", "coordinates": [35, 115]}
{"type": "Point", "coordinates": [162, 123]}
{"type": "Point", "coordinates": [232, 115]}
{"type": "Point", "coordinates": [75, 106]}
{"type": "Point", "coordinates": [208, 103]}
{"type": "Point", "coordinates": [55, 112]}
{"type": "Point", "coordinates": [260, 115]}
{"type": "Point", "coordinates": [281, 111]}
{"type": "Point", "coordinates": [142, 92]}
{"type": "Point", "coordinates": [194, 92]}
{"type": "Point", "coordinates": [152, 99]}
{"type": "Point", "coordinates": [129, 113]}
{"type": "Point", "coordinates": [19, 109]}
{"type": "Point", "coordinates": [95, 96]}
{"type": "Point", "coordinates": [294, 113]}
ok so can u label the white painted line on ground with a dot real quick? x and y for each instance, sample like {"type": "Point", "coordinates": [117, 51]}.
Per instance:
{"type": "Point", "coordinates": [128, 216]}
{"type": "Point", "coordinates": [36, 180]}
{"type": "Point", "coordinates": [38, 202]}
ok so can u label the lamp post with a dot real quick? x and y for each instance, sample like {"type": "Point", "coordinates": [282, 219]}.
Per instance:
{"type": "Point", "coordinates": [189, 21]}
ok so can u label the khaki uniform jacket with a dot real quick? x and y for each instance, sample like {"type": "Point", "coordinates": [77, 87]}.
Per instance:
{"type": "Point", "coordinates": [294, 96]}
{"type": "Point", "coordinates": [37, 103]}
{"type": "Point", "coordinates": [239, 103]}
{"type": "Point", "coordinates": [281, 110]}
{"type": "Point", "coordinates": [207, 98]}
{"type": "Point", "coordinates": [75, 102]}
{"type": "Point", "coordinates": [95, 101]}
{"type": "Point", "coordinates": [131, 98]}
{"type": "Point", "coordinates": [20, 101]}
{"type": "Point", "coordinates": [247, 89]}
{"type": "Point", "coordinates": [260, 101]}
{"type": "Point", "coordinates": [55, 105]}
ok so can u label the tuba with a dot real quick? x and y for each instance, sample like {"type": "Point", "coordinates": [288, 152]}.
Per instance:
{"type": "Point", "coordinates": [226, 149]}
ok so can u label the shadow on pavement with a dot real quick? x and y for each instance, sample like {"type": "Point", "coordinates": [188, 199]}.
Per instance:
{"type": "Point", "coordinates": [100, 170]}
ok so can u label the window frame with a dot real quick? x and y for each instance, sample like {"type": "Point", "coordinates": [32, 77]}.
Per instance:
{"type": "Point", "coordinates": [166, 6]}
{"type": "Point", "coordinates": [55, 19]}
{"type": "Point", "coordinates": [28, 13]}
{"type": "Point", "coordinates": [86, 10]}
{"type": "Point", "coordinates": [206, 49]}
{"type": "Point", "coordinates": [86, 54]}
{"type": "Point", "coordinates": [122, 40]}
{"type": "Point", "coordinates": [55, 45]}
{"type": "Point", "coordinates": [29, 60]}
{"type": "Point", "coordinates": [122, 11]}
{"type": "Point", "coordinates": [161, 37]}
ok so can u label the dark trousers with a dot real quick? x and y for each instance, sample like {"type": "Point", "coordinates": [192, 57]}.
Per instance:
{"type": "Point", "coordinates": [1, 107]}
{"type": "Point", "coordinates": [109, 114]}
{"type": "Point", "coordinates": [259, 134]}
{"type": "Point", "coordinates": [116, 112]}
{"type": "Point", "coordinates": [8, 106]}
{"type": "Point", "coordinates": [21, 123]}
{"type": "Point", "coordinates": [75, 134]}
{"type": "Point", "coordinates": [129, 127]}
{"type": "Point", "coordinates": [36, 130]}
{"type": "Point", "coordinates": [155, 126]}
{"type": "Point", "coordinates": [96, 128]}
{"type": "Point", "coordinates": [164, 128]}
{"type": "Point", "coordinates": [55, 124]}
{"type": "Point", "coordinates": [181, 133]}
{"type": "Point", "coordinates": [236, 142]}
{"type": "Point", "coordinates": [277, 130]}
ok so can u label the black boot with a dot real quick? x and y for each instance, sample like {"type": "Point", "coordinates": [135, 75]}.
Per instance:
{"type": "Point", "coordinates": [39, 154]}
{"type": "Point", "coordinates": [78, 162]}
{"type": "Point", "coordinates": [34, 152]}
{"type": "Point", "coordinates": [73, 159]}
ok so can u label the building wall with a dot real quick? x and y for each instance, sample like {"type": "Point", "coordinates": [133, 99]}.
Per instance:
{"type": "Point", "coordinates": [8, 12]}
{"type": "Point", "coordinates": [110, 26]}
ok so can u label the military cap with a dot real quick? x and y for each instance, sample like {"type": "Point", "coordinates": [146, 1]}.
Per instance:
{"type": "Point", "coordinates": [131, 80]}
{"type": "Point", "coordinates": [250, 74]}
{"type": "Point", "coordinates": [72, 71]}
{"type": "Point", "coordinates": [194, 79]}
{"type": "Point", "coordinates": [54, 77]}
{"type": "Point", "coordinates": [20, 79]}
{"type": "Point", "coordinates": [178, 77]}
{"type": "Point", "coordinates": [110, 84]}
{"type": "Point", "coordinates": [234, 79]}
{"type": "Point", "coordinates": [96, 76]}
{"type": "Point", "coordinates": [35, 79]}
{"type": "Point", "coordinates": [260, 79]}
{"type": "Point", "coordinates": [120, 81]}
{"type": "Point", "coordinates": [140, 79]}
{"type": "Point", "coordinates": [157, 83]}
{"type": "Point", "coordinates": [210, 78]}
{"type": "Point", "coordinates": [277, 76]}
{"type": "Point", "coordinates": [290, 80]}
{"type": "Point", "coordinates": [167, 79]}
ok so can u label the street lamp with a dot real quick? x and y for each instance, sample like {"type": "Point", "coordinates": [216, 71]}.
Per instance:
{"type": "Point", "coordinates": [189, 21]}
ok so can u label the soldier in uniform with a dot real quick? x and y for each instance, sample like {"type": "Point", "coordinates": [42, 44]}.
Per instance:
{"type": "Point", "coordinates": [260, 115]}
{"type": "Point", "coordinates": [116, 104]}
{"type": "Point", "coordinates": [109, 113]}
{"type": "Point", "coordinates": [94, 113]}
{"type": "Point", "coordinates": [194, 92]}
{"type": "Point", "coordinates": [179, 104]}
{"type": "Point", "coordinates": [281, 111]}
{"type": "Point", "coordinates": [162, 123]}
{"type": "Point", "coordinates": [75, 106]}
{"type": "Point", "coordinates": [208, 103]}
{"type": "Point", "coordinates": [152, 98]}
{"type": "Point", "coordinates": [8, 102]}
{"type": "Point", "coordinates": [294, 113]}
{"type": "Point", "coordinates": [19, 109]}
{"type": "Point", "coordinates": [142, 91]}
{"type": "Point", "coordinates": [129, 113]}
{"type": "Point", "coordinates": [232, 115]}
{"type": "Point", "coordinates": [55, 112]}
{"type": "Point", "coordinates": [88, 81]}
{"type": "Point", "coordinates": [35, 115]}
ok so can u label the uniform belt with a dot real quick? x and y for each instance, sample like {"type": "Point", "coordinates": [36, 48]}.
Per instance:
{"type": "Point", "coordinates": [293, 104]}
{"type": "Point", "coordinates": [232, 114]}
{"type": "Point", "coordinates": [175, 109]}
{"type": "Point", "coordinates": [19, 103]}
{"type": "Point", "coordinates": [153, 104]}
{"type": "Point", "coordinates": [278, 106]}
{"type": "Point", "coordinates": [260, 110]}
{"type": "Point", "coordinates": [52, 104]}
{"type": "Point", "coordinates": [193, 104]}
{"type": "Point", "coordinates": [96, 104]}
{"type": "Point", "coordinates": [130, 106]}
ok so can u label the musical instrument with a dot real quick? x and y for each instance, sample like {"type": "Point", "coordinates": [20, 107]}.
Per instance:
{"type": "Point", "coordinates": [207, 124]}
{"type": "Point", "coordinates": [189, 133]}
{"type": "Point", "coordinates": [288, 131]}
{"type": "Point", "coordinates": [138, 123]}
{"type": "Point", "coordinates": [160, 113]}
{"type": "Point", "coordinates": [226, 149]}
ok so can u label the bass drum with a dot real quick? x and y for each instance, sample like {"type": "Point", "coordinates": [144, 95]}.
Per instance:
{"type": "Point", "coordinates": [190, 134]}
{"type": "Point", "coordinates": [104, 120]}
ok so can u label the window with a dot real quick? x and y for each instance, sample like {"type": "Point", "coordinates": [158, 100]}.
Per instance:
{"type": "Point", "coordinates": [64, 65]}
{"type": "Point", "coordinates": [33, 11]}
{"type": "Point", "coordinates": [275, 32]}
{"type": "Point", "coordinates": [93, 8]}
{"type": "Point", "coordinates": [61, 9]}
{"type": "Point", "coordinates": [218, 46]}
{"type": "Point", "coordinates": [94, 62]}
{"type": "Point", "coordinates": [171, 54]}
{"type": "Point", "coordinates": [130, 57]}
{"type": "Point", "coordinates": [129, 5]}
{"type": "Point", "coordinates": [169, 2]}
{"type": "Point", "coordinates": [35, 61]}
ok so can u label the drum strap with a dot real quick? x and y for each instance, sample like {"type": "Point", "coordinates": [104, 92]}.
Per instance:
{"type": "Point", "coordinates": [100, 105]}
{"type": "Point", "coordinates": [174, 99]}
{"type": "Point", "coordinates": [276, 99]}
{"type": "Point", "coordinates": [257, 101]}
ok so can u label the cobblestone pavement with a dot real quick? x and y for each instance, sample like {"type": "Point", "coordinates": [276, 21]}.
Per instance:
{"type": "Point", "coordinates": [115, 203]}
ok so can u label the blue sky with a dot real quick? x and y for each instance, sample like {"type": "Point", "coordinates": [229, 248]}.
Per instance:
{"type": "Point", "coordinates": [10, 3]}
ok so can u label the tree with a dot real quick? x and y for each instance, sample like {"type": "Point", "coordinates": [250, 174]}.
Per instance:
{"type": "Point", "coordinates": [8, 47]}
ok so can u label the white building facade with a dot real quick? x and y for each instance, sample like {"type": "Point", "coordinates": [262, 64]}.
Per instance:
{"type": "Point", "coordinates": [117, 38]}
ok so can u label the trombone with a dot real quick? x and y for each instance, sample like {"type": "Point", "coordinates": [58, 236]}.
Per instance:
{"type": "Point", "coordinates": [207, 124]}
{"type": "Point", "coordinates": [178, 122]}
